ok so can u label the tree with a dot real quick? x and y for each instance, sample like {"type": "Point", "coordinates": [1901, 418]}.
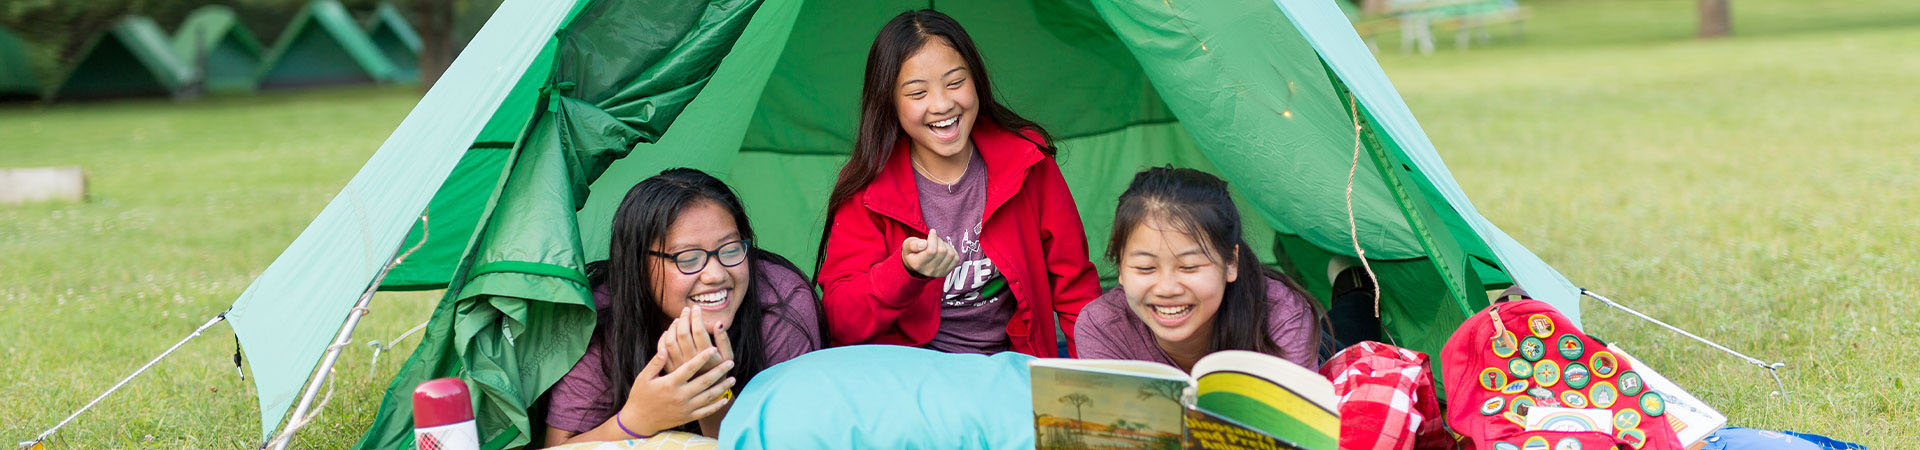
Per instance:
{"type": "Point", "coordinates": [1077, 400]}
{"type": "Point", "coordinates": [1715, 20]}
{"type": "Point", "coordinates": [434, 22]}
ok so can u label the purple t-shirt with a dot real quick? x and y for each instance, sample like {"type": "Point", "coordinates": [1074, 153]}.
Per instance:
{"type": "Point", "coordinates": [975, 305]}
{"type": "Point", "coordinates": [582, 399]}
{"type": "Point", "coordinates": [1108, 329]}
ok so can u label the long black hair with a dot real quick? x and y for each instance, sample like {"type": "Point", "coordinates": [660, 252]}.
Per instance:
{"type": "Point", "coordinates": [1197, 204]}
{"type": "Point", "coordinates": [880, 121]}
{"type": "Point", "coordinates": [629, 327]}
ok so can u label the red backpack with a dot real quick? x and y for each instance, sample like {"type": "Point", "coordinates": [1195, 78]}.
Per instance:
{"type": "Point", "coordinates": [1518, 355]}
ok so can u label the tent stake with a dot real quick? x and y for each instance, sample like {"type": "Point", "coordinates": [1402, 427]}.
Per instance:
{"type": "Point", "coordinates": [1773, 369]}
{"type": "Point", "coordinates": [340, 341]}
{"type": "Point", "coordinates": [123, 381]}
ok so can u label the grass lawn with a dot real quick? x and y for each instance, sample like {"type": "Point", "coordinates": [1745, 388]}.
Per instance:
{"type": "Point", "coordinates": [1757, 190]}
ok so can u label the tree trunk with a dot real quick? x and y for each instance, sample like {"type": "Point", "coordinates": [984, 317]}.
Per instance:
{"type": "Point", "coordinates": [434, 22]}
{"type": "Point", "coordinates": [1715, 21]}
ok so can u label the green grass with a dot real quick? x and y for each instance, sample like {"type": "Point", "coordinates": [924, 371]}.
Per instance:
{"type": "Point", "coordinates": [1757, 190]}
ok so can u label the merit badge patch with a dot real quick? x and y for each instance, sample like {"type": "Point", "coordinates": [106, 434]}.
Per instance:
{"type": "Point", "coordinates": [1603, 394]}
{"type": "Point", "coordinates": [1540, 325]}
{"type": "Point", "coordinates": [1492, 379]}
{"type": "Point", "coordinates": [1634, 437]}
{"type": "Point", "coordinates": [1532, 348]}
{"type": "Point", "coordinates": [1626, 418]}
{"type": "Point", "coordinates": [1577, 375]}
{"type": "Point", "coordinates": [1603, 364]}
{"type": "Point", "coordinates": [1546, 373]}
{"type": "Point", "coordinates": [1519, 406]}
{"type": "Point", "coordinates": [1570, 347]}
{"type": "Point", "coordinates": [1567, 443]}
{"type": "Point", "coordinates": [1520, 368]}
{"type": "Point", "coordinates": [1630, 383]}
{"type": "Point", "coordinates": [1505, 446]}
{"type": "Point", "coordinates": [1505, 344]}
{"type": "Point", "coordinates": [1515, 387]}
{"type": "Point", "coordinates": [1574, 399]}
{"type": "Point", "coordinates": [1653, 404]}
{"type": "Point", "coordinates": [1493, 405]}
{"type": "Point", "coordinates": [1535, 443]}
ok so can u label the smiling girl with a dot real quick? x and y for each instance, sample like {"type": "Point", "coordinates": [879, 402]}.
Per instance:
{"type": "Point", "coordinates": [688, 311]}
{"type": "Point", "coordinates": [950, 227]}
{"type": "Point", "coordinates": [1189, 284]}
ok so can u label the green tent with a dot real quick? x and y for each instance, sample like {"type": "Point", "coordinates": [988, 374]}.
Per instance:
{"type": "Point", "coordinates": [17, 80]}
{"type": "Point", "coordinates": [390, 32]}
{"type": "Point", "coordinates": [213, 39]}
{"type": "Point", "coordinates": [129, 59]}
{"type": "Point", "coordinates": [324, 46]}
{"type": "Point", "coordinates": [520, 154]}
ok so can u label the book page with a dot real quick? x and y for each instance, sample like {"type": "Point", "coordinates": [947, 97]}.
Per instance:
{"type": "Point", "coordinates": [1105, 406]}
{"type": "Point", "coordinates": [1114, 366]}
{"type": "Point", "coordinates": [1270, 395]}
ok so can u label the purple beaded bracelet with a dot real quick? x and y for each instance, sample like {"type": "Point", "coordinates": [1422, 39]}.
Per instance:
{"type": "Point", "coordinates": [623, 427]}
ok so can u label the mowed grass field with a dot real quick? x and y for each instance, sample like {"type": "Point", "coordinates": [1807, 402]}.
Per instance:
{"type": "Point", "coordinates": [1758, 190]}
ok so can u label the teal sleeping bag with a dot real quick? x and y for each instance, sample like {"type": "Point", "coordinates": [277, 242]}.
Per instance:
{"type": "Point", "coordinates": [885, 396]}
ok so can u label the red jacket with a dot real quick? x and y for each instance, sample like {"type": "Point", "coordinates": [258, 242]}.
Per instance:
{"type": "Point", "coordinates": [1031, 231]}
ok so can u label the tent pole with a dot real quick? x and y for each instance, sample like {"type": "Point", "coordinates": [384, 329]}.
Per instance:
{"type": "Point", "coordinates": [1772, 369]}
{"type": "Point", "coordinates": [340, 341]}
{"type": "Point", "coordinates": [123, 381]}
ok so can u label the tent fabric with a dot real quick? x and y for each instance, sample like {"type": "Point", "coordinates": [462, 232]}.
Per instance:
{"type": "Point", "coordinates": [131, 58]}
{"type": "Point", "coordinates": [286, 318]}
{"type": "Point", "coordinates": [213, 40]}
{"type": "Point", "coordinates": [522, 314]}
{"type": "Point", "coordinates": [17, 80]}
{"type": "Point", "coordinates": [1264, 93]}
{"type": "Point", "coordinates": [324, 46]}
{"type": "Point", "coordinates": [394, 36]}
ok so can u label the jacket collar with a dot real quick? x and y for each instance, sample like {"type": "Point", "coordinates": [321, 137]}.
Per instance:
{"type": "Point", "coordinates": [1008, 157]}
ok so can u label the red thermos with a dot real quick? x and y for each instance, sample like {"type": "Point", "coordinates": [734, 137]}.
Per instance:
{"type": "Point", "coordinates": [443, 416]}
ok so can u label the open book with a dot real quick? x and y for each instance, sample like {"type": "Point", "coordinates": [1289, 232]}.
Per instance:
{"type": "Point", "coordinates": [1235, 399]}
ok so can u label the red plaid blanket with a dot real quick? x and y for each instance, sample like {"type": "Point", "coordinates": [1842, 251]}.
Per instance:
{"type": "Point", "coordinates": [1386, 399]}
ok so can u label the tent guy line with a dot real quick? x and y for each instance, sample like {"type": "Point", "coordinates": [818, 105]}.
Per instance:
{"type": "Point", "coordinates": [1773, 369]}
{"type": "Point", "coordinates": [123, 381]}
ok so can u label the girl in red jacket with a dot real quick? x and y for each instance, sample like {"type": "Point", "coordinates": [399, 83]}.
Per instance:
{"type": "Point", "coordinates": [950, 227]}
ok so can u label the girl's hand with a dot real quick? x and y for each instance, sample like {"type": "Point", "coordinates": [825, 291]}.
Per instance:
{"type": "Point", "coordinates": [658, 401]}
{"type": "Point", "coordinates": [931, 257]}
{"type": "Point", "coordinates": [689, 335]}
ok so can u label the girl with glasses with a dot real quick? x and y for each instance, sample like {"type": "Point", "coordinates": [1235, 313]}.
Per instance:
{"type": "Point", "coordinates": [950, 227]}
{"type": "Point", "coordinates": [689, 311]}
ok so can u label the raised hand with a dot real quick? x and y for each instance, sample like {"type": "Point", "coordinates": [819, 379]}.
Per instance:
{"type": "Point", "coordinates": [689, 335]}
{"type": "Point", "coordinates": [931, 257]}
{"type": "Point", "coordinates": [659, 401]}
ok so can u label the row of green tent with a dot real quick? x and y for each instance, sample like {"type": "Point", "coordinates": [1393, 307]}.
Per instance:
{"type": "Point", "coordinates": [213, 51]}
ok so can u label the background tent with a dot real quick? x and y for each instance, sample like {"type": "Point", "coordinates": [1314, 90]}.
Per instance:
{"type": "Point", "coordinates": [396, 39]}
{"type": "Point", "coordinates": [17, 80]}
{"type": "Point", "coordinates": [132, 58]}
{"type": "Point", "coordinates": [514, 164]}
{"type": "Point", "coordinates": [213, 40]}
{"type": "Point", "coordinates": [324, 46]}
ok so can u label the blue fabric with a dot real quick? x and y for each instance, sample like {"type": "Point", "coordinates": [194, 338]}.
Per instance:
{"type": "Point", "coordinates": [1736, 438]}
{"type": "Point", "coordinates": [885, 396]}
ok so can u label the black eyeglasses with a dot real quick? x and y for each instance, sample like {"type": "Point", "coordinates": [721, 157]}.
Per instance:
{"type": "Point", "coordinates": [691, 261]}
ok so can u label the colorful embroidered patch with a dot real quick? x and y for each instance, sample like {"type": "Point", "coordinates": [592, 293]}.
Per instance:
{"type": "Point", "coordinates": [1603, 364]}
{"type": "Point", "coordinates": [1493, 405]}
{"type": "Point", "coordinates": [1653, 403]}
{"type": "Point", "coordinates": [1546, 373]}
{"type": "Point", "coordinates": [1634, 437]}
{"type": "Point", "coordinates": [1520, 368]}
{"type": "Point", "coordinates": [1630, 384]}
{"type": "Point", "coordinates": [1505, 446]}
{"type": "Point", "coordinates": [1505, 344]}
{"type": "Point", "coordinates": [1570, 347]}
{"type": "Point", "coordinates": [1515, 387]}
{"type": "Point", "coordinates": [1520, 406]}
{"type": "Point", "coordinates": [1515, 418]}
{"type": "Point", "coordinates": [1492, 379]}
{"type": "Point", "coordinates": [1540, 325]}
{"type": "Point", "coordinates": [1574, 399]}
{"type": "Point", "coordinates": [1626, 418]}
{"type": "Point", "coordinates": [1535, 443]}
{"type": "Point", "coordinates": [1541, 393]}
{"type": "Point", "coordinates": [1567, 443]}
{"type": "Point", "coordinates": [1603, 394]}
{"type": "Point", "coordinates": [1577, 375]}
{"type": "Point", "coordinates": [1532, 348]}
